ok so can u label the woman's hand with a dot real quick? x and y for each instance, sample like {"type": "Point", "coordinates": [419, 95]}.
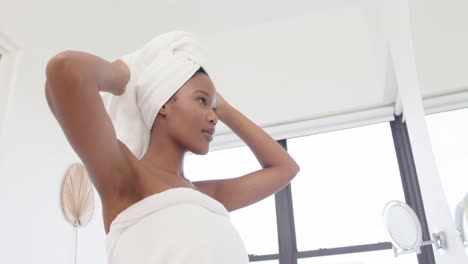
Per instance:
{"type": "Point", "coordinates": [118, 78]}
{"type": "Point", "coordinates": [221, 106]}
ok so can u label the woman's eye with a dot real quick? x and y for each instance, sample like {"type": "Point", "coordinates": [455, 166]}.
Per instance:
{"type": "Point", "coordinates": [202, 100]}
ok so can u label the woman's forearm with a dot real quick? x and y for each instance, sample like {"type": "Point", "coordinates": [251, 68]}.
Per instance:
{"type": "Point", "coordinates": [84, 68]}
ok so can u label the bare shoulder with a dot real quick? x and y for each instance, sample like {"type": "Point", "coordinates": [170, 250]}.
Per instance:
{"type": "Point", "coordinates": [207, 187]}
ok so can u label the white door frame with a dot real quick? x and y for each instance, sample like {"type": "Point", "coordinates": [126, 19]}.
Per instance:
{"type": "Point", "coordinates": [10, 54]}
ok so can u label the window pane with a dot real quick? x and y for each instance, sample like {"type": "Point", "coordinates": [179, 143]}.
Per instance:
{"type": "Point", "coordinates": [448, 132]}
{"type": "Point", "coordinates": [256, 223]}
{"type": "Point", "coordinates": [346, 179]}
{"type": "Point", "coordinates": [373, 257]}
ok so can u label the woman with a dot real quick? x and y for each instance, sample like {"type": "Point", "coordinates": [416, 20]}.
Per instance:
{"type": "Point", "coordinates": [151, 212]}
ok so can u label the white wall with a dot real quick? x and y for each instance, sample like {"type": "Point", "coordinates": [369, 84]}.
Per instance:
{"type": "Point", "coordinates": [278, 62]}
{"type": "Point", "coordinates": [440, 45]}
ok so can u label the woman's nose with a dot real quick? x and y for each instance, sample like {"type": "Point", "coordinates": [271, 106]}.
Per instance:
{"type": "Point", "coordinates": [212, 117]}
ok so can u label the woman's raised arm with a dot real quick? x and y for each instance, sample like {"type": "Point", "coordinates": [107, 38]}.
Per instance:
{"type": "Point", "coordinates": [74, 80]}
{"type": "Point", "coordinates": [278, 167]}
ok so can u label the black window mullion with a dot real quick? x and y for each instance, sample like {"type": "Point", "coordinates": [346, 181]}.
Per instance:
{"type": "Point", "coordinates": [253, 257]}
{"type": "Point", "coordinates": [285, 223]}
{"type": "Point", "coordinates": [344, 250]}
{"type": "Point", "coordinates": [410, 183]}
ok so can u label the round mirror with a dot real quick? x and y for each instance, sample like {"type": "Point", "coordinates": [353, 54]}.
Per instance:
{"type": "Point", "coordinates": [403, 226]}
{"type": "Point", "coordinates": [461, 219]}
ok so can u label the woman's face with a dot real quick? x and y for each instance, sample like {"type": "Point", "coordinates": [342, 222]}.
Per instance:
{"type": "Point", "coordinates": [191, 114]}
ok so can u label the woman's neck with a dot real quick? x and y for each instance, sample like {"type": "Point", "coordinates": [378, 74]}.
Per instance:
{"type": "Point", "coordinates": [164, 154]}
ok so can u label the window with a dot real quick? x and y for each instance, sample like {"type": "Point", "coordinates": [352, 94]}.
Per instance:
{"type": "Point", "coordinates": [448, 132]}
{"type": "Point", "coordinates": [346, 179]}
{"type": "Point", "coordinates": [338, 197]}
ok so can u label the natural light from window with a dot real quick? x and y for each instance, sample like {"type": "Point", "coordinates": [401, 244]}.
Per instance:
{"type": "Point", "coordinates": [346, 179]}
{"type": "Point", "coordinates": [449, 138]}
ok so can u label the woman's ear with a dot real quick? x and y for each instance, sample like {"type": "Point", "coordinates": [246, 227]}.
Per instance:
{"type": "Point", "coordinates": [162, 110]}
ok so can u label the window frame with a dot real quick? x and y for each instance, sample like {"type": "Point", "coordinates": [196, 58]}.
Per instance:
{"type": "Point", "coordinates": [288, 253]}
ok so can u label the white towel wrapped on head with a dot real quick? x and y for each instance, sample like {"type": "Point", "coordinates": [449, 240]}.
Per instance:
{"type": "Point", "coordinates": [157, 71]}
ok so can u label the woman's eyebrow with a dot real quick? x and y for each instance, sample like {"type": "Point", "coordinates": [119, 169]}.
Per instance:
{"type": "Point", "coordinates": [202, 91]}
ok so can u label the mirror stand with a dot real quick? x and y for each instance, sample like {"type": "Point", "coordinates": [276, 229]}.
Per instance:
{"type": "Point", "coordinates": [398, 251]}
{"type": "Point", "coordinates": [438, 239]}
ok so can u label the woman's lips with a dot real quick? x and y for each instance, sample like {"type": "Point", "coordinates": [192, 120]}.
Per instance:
{"type": "Point", "coordinates": [209, 133]}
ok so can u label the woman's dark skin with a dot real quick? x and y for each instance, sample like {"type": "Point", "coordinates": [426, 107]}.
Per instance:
{"type": "Point", "coordinates": [185, 123]}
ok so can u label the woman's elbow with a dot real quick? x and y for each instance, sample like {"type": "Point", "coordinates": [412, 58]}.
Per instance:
{"type": "Point", "coordinates": [63, 73]}
{"type": "Point", "coordinates": [295, 169]}
{"type": "Point", "coordinates": [59, 76]}
{"type": "Point", "coordinates": [292, 169]}
{"type": "Point", "coordinates": [58, 64]}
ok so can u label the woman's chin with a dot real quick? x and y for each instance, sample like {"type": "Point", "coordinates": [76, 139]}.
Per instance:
{"type": "Point", "coordinates": [200, 151]}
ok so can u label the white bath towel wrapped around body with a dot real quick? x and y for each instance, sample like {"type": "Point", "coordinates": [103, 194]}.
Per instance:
{"type": "Point", "coordinates": [176, 226]}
